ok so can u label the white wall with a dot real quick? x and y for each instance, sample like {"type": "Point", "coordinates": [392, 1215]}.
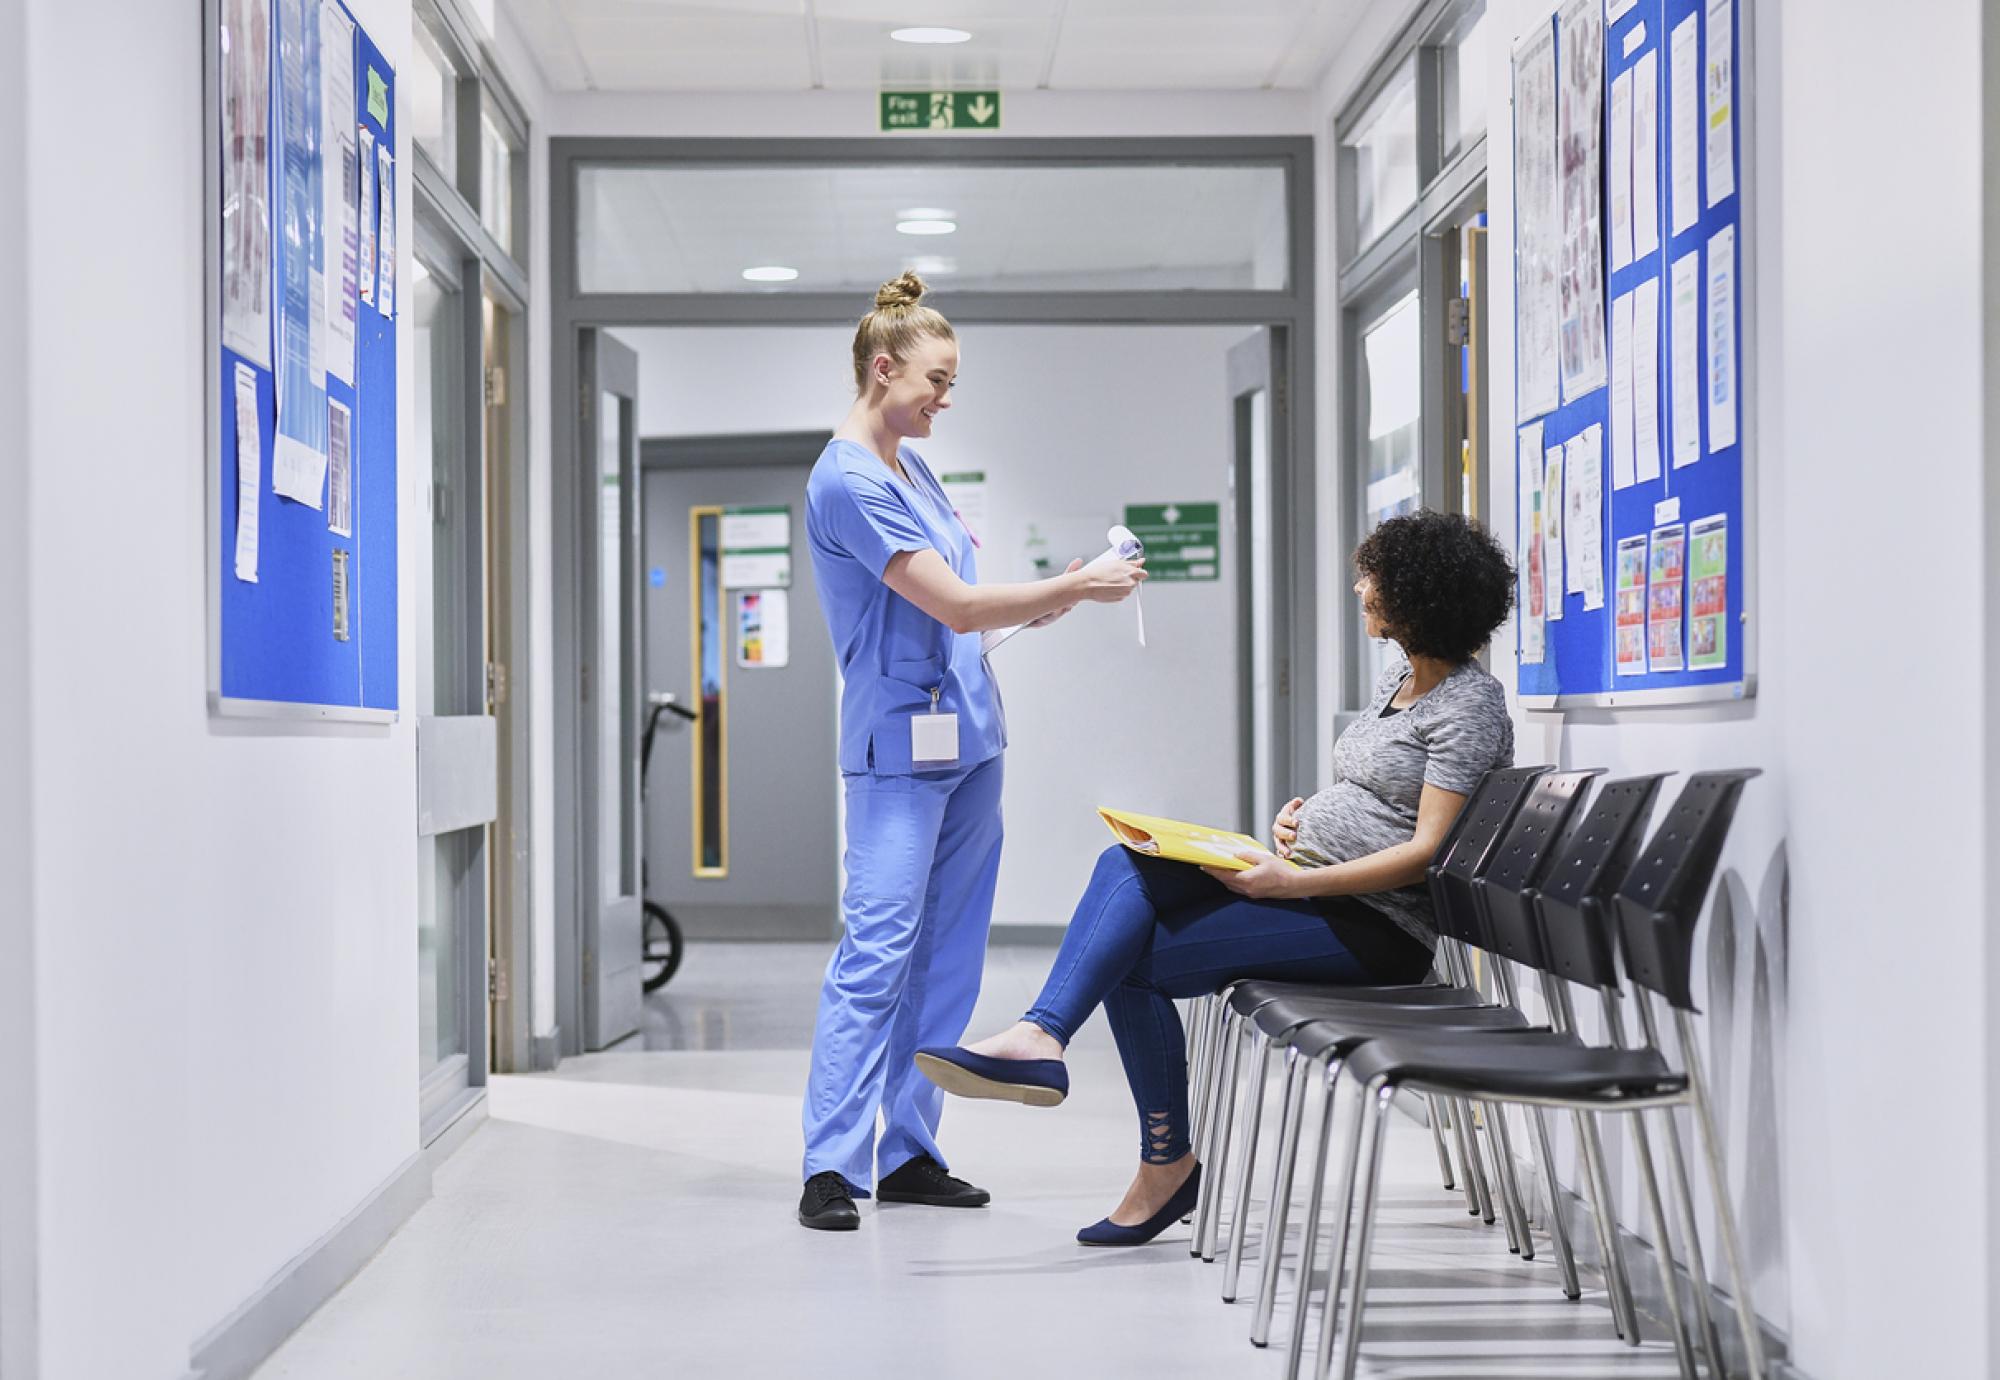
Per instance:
{"type": "Point", "coordinates": [18, 1234]}
{"type": "Point", "coordinates": [1070, 424]}
{"type": "Point", "coordinates": [1847, 1167]}
{"type": "Point", "coordinates": [224, 914]}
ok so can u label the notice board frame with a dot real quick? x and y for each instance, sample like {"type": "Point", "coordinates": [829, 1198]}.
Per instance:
{"type": "Point", "coordinates": [1586, 678]}
{"type": "Point", "coordinates": [253, 671]}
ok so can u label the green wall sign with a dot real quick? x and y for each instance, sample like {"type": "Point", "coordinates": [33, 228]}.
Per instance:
{"type": "Point", "coordinates": [940, 110]}
{"type": "Point", "coordinates": [1183, 540]}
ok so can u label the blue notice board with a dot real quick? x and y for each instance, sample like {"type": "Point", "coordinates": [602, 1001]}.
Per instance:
{"type": "Point", "coordinates": [1674, 533]}
{"type": "Point", "coordinates": [313, 635]}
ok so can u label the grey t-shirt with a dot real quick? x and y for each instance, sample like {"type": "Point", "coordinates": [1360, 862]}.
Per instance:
{"type": "Point", "coordinates": [1449, 738]}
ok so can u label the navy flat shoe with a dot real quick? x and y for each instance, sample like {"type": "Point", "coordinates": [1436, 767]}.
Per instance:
{"type": "Point", "coordinates": [1036, 1082]}
{"type": "Point", "coordinates": [1109, 1233]}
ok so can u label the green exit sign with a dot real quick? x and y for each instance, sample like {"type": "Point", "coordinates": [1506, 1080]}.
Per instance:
{"type": "Point", "coordinates": [940, 110]}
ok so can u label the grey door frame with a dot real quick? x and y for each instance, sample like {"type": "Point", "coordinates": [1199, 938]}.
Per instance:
{"type": "Point", "coordinates": [576, 785]}
{"type": "Point", "coordinates": [1288, 313]}
{"type": "Point", "coordinates": [1251, 368]}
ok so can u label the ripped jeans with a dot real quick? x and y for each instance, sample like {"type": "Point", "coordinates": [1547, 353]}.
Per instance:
{"type": "Point", "coordinates": [1148, 931]}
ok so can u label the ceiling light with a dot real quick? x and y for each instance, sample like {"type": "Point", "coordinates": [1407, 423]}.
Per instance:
{"type": "Point", "coordinates": [771, 273]}
{"type": "Point", "coordinates": [926, 213]}
{"type": "Point", "coordinates": [926, 35]}
{"type": "Point", "coordinates": [931, 265]}
{"type": "Point", "coordinates": [927, 227]}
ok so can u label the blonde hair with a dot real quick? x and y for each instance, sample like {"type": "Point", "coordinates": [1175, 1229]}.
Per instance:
{"type": "Point", "coordinates": [898, 322]}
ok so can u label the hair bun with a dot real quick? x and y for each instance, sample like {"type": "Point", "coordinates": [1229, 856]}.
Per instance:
{"type": "Point", "coordinates": [905, 291]}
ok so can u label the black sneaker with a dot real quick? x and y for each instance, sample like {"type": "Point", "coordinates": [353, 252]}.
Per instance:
{"type": "Point", "coordinates": [827, 1205]}
{"type": "Point", "coordinates": [923, 1180]}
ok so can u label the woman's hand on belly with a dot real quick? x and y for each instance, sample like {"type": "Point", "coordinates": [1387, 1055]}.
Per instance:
{"type": "Point", "coordinates": [1285, 828]}
{"type": "Point", "coordinates": [1267, 879]}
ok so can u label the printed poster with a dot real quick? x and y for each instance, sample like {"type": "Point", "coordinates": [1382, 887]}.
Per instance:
{"type": "Point", "coordinates": [1684, 111]}
{"type": "Point", "coordinates": [249, 461]}
{"type": "Point", "coordinates": [246, 179]}
{"type": "Point", "coordinates": [1532, 597]}
{"type": "Point", "coordinates": [1583, 526]}
{"type": "Point", "coordinates": [338, 240]}
{"type": "Point", "coordinates": [1666, 589]}
{"type": "Point", "coordinates": [1722, 339]}
{"type": "Point", "coordinates": [1646, 381]}
{"type": "Point", "coordinates": [1554, 500]}
{"type": "Point", "coordinates": [298, 460]}
{"type": "Point", "coordinates": [1684, 340]}
{"type": "Point", "coordinates": [365, 264]}
{"type": "Point", "coordinates": [1630, 616]}
{"type": "Point", "coordinates": [385, 234]}
{"type": "Point", "coordinates": [340, 469]}
{"type": "Point", "coordinates": [1538, 226]}
{"type": "Point", "coordinates": [1623, 346]}
{"type": "Point", "coordinates": [1721, 122]}
{"type": "Point", "coordinates": [1708, 587]}
{"type": "Point", "coordinates": [1579, 119]}
{"type": "Point", "coordinates": [1646, 154]}
{"type": "Point", "coordinates": [763, 628]}
{"type": "Point", "coordinates": [1621, 169]}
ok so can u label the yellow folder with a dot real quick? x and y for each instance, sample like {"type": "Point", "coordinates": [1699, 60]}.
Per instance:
{"type": "Point", "coordinates": [1181, 841]}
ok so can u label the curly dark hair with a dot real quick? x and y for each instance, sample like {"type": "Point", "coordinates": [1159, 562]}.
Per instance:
{"type": "Point", "coordinates": [1442, 584]}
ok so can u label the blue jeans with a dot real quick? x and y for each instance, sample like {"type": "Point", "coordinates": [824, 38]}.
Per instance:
{"type": "Point", "coordinates": [1148, 931]}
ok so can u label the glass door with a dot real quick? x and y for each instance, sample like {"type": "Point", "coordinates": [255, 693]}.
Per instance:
{"type": "Point", "coordinates": [452, 883]}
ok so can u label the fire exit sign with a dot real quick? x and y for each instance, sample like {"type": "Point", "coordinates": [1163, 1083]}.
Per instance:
{"type": "Point", "coordinates": [940, 110]}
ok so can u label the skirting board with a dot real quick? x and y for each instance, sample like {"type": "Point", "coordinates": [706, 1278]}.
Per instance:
{"type": "Point", "coordinates": [545, 1051]}
{"type": "Point", "coordinates": [1029, 936]}
{"type": "Point", "coordinates": [242, 1341]}
{"type": "Point", "coordinates": [1643, 1266]}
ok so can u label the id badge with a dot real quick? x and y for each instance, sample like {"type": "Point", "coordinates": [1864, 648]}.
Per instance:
{"type": "Point", "coordinates": [934, 737]}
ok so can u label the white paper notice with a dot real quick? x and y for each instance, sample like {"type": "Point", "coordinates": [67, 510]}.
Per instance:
{"type": "Point", "coordinates": [1635, 39]}
{"type": "Point", "coordinates": [1537, 226]}
{"type": "Point", "coordinates": [763, 628]}
{"type": "Point", "coordinates": [365, 168]}
{"type": "Point", "coordinates": [1721, 118]}
{"type": "Point", "coordinates": [1528, 553]}
{"type": "Point", "coordinates": [338, 184]}
{"type": "Point", "coordinates": [1646, 381]}
{"type": "Point", "coordinates": [1684, 108]}
{"type": "Point", "coordinates": [1554, 502]}
{"type": "Point", "coordinates": [1684, 340]}
{"type": "Point", "coordinates": [340, 469]}
{"type": "Point", "coordinates": [1615, 10]}
{"type": "Point", "coordinates": [1645, 155]}
{"type": "Point", "coordinates": [1583, 528]}
{"type": "Point", "coordinates": [1579, 144]}
{"type": "Point", "coordinates": [1622, 476]}
{"type": "Point", "coordinates": [1621, 171]}
{"type": "Point", "coordinates": [1722, 339]}
{"type": "Point", "coordinates": [249, 461]}
{"type": "Point", "coordinates": [385, 235]}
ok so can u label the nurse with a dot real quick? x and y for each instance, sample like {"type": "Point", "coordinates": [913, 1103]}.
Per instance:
{"type": "Point", "coordinates": [921, 732]}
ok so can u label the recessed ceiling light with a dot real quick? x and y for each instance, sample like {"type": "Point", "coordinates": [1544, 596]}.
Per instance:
{"type": "Point", "coordinates": [771, 273]}
{"type": "Point", "coordinates": [926, 213]}
{"type": "Point", "coordinates": [933, 265]}
{"type": "Point", "coordinates": [928, 35]}
{"type": "Point", "coordinates": [927, 227]}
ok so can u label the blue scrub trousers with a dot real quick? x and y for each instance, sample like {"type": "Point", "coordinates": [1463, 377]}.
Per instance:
{"type": "Point", "coordinates": [923, 854]}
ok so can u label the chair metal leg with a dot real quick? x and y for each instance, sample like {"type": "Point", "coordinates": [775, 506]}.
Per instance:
{"type": "Point", "coordinates": [1649, 1189]}
{"type": "Point", "coordinates": [1437, 1138]}
{"type": "Point", "coordinates": [1281, 1197]}
{"type": "Point", "coordinates": [1376, 1107]}
{"type": "Point", "coordinates": [1558, 1227]}
{"type": "Point", "coordinates": [1705, 1329]}
{"type": "Point", "coordinates": [1510, 1187]}
{"type": "Point", "coordinates": [1302, 1294]}
{"type": "Point", "coordinates": [1212, 1018]}
{"type": "Point", "coordinates": [1725, 1214]}
{"type": "Point", "coordinates": [1253, 1111]}
{"type": "Point", "coordinates": [1624, 1315]}
{"type": "Point", "coordinates": [1213, 1096]}
{"type": "Point", "coordinates": [1208, 1207]}
{"type": "Point", "coordinates": [1480, 1193]}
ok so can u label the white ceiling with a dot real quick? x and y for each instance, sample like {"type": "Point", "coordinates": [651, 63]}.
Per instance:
{"type": "Point", "coordinates": [796, 45]}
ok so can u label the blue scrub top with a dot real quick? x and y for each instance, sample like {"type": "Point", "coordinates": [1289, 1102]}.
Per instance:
{"type": "Point", "coordinates": [893, 654]}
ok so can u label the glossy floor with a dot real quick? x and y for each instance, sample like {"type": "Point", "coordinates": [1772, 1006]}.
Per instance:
{"type": "Point", "coordinates": [632, 1215]}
